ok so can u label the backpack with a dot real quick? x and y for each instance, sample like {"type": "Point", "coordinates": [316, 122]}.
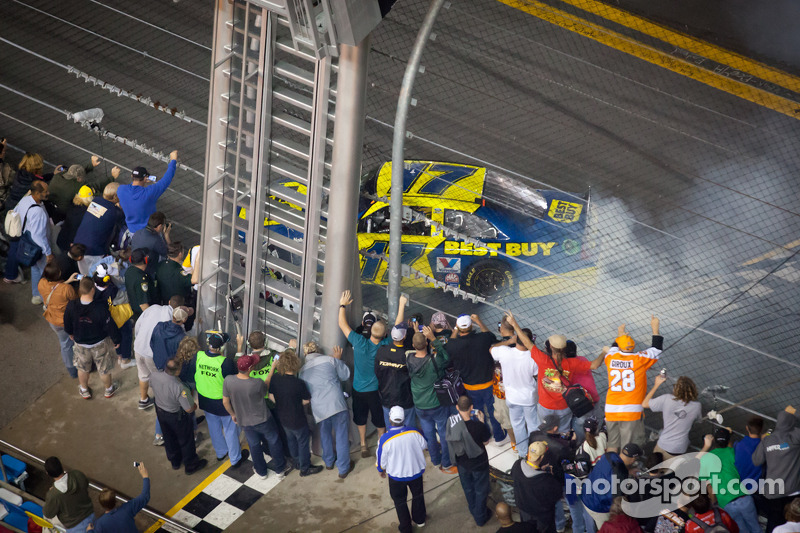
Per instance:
{"type": "Point", "coordinates": [449, 387]}
{"type": "Point", "coordinates": [13, 223]}
{"type": "Point", "coordinates": [717, 527]}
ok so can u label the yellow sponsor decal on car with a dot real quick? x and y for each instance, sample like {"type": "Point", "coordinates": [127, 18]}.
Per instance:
{"type": "Point", "coordinates": [567, 212]}
{"type": "Point", "coordinates": [513, 249]}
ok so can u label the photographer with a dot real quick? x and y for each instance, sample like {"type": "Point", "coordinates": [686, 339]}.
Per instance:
{"type": "Point", "coordinates": [121, 520]}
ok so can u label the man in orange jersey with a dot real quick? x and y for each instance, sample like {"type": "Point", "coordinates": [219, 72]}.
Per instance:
{"type": "Point", "coordinates": [627, 386]}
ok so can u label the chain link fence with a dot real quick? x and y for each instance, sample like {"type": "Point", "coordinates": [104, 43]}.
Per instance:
{"type": "Point", "coordinates": [615, 168]}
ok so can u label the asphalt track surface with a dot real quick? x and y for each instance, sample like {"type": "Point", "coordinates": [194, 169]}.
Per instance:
{"type": "Point", "coordinates": [695, 204]}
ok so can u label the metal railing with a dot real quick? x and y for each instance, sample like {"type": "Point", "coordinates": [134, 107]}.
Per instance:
{"type": "Point", "coordinates": [148, 511]}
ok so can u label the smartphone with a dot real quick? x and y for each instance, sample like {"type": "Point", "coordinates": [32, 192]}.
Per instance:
{"type": "Point", "coordinates": [152, 178]}
{"type": "Point", "coordinates": [136, 464]}
{"type": "Point", "coordinates": [275, 359]}
{"type": "Point", "coordinates": [663, 372]}
{"type": "Point", "coordinates": [420, 328]}
{"type": "Point", "coordinates": [474, 413]}
{"type": "Point", "coordinates": [79, 277]}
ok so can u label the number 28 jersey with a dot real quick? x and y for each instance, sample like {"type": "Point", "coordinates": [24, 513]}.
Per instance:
{"type": "Point", "coordinates": [627, 382]}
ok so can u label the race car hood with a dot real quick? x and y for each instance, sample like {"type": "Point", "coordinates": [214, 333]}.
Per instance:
{"type": "Point", "coordinates": [440, 181]}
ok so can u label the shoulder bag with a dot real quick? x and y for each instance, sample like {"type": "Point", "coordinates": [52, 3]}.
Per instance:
{"type": "Point", "coordinates": [578, 398]}
{"type": "Point", "coordinates": [28, 252]}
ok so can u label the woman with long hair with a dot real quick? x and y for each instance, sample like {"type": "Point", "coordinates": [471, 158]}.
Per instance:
{"type": "Point", "coordinates": [291, 395]}
{"type": "Point", "coordinates": [56, 294]}
{"type": "Point", "coordinates": [679, 411]}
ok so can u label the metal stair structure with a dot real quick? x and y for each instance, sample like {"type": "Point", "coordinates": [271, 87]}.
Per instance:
{"type": "Point", "coordinates": [271, 114]}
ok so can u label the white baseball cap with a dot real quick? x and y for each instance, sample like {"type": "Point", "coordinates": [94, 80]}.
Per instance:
{"type": "Point", "coordinates": [398, 333]}
{"type": "Point", "coordinates": [397, 414]}
{"type": "Point", "coordinates": [464, 322]}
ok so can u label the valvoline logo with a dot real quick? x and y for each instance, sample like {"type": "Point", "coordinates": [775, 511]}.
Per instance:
{"type": "Point", "coordinates": [448, 265]}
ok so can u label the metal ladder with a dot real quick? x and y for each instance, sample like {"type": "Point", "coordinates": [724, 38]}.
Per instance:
{"type": "Point", "coordinates": [267, 171]}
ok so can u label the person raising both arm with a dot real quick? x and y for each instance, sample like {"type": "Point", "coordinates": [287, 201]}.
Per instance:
{"type": "Point", "coordinates": [366, 398]}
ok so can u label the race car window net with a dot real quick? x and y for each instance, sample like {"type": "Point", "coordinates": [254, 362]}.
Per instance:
{"type": "Point", "coordinates": [472, 225]}
{"type": "Point", "coordinates": [509, 192]}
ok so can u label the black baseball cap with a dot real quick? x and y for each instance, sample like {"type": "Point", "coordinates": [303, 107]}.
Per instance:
{"type": "Point", "coordinates": [722, 437]}
{"type": "Point", "coordinates": [140, 173]}
{"type": "Point", "coordinates": [549, 422]}
{"type": "Point", "coordinates": [368, 319]}
{"type": "Point", "coordinates": [632, 450]}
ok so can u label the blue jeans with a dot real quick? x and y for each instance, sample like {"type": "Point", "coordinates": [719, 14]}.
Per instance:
{"type": "Point", "coordinates": [37, 269]}
{"type": "Point", "coordinates": [11, 270]}
{"type": "Point", "coordinates": [224, 436]}
{"type": "Point", "coordinates": [476, 488]}
{"type": "Point", "coordinates": [268, 431]}
{"type": "Point", "coordinates": [126, 341]}
{"type": "Point", "coordinates": [576, 511]}
{"type": "Point", "coordinates": [410, 420]}
{"type": "Point", "coordinates": [524, 421]}
{"type": "Point", "coordinates": [298, 442]}
{"type": "Point", "coordinates": [66, 349]}
{"type": "Point", "coordinates": [588, 521]}
{"type": "Point", "coordinates": [337, 424]}
{"type": "Point", "coordinates": [483, 400]}
{"type": "Point", "coordinates": [434, 421]}
{"type": "Point", "coordinates": [743, 511]}
{"type": "Point", "coordinates": [81, 528]}
{"type": "Point", "coordinates": [561, 518]}
{"type": "Point", "coordinates": [564, 416]}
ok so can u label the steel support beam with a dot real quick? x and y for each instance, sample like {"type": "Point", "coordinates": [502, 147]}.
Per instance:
{"type": "Point", "coordinates": [341, 259]}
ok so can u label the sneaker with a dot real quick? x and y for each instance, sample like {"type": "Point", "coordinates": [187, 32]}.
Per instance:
{"type": "Point", "coordinates": [505, 440]}
{"type": "Point", "coordinates": [329, 467]}
{"type": "Point", "coordinates": [124, 366]}
{"type": "Point", "coordinates": [200, 419]}
{"type": "Point", "coordinates": [220, 459]}
{"type": "Point", "coordinates": [240, 462]}
{"type": "Point", "coordinates": [449, 469]}
{"type": "Point", "coordinates": [111, 391]}
{"type": "Point", "coordinates": [86, 394]}
{"type": "Point", "coordinates": [201, 464]}
{"type": "Point", "coordinates": [311, 470]}
{"type": "Point", "coordinates": [198, 436]}
{"type": "Point", "coordinates": [420, 525]}
{"type": "Point", "coordinates": [158, 440]}
{"type": "Point", "coordinates": [286, 471]}
{"type": "Point", "coordinates": [146, 404]}
{"type": "Point", "coordinates": [265, 476]}
{"type": "Point", "coordinates": [19, 279]}
{"type": "Point", "coordinates": [37, 300]}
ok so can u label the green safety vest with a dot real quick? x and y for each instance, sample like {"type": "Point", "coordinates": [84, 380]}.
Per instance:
{"type": "Point", "coordinates": [263, 372]}
{"type": "Point", "coordinates": [208, 375]}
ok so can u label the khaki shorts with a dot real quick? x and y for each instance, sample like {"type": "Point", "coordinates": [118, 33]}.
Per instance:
{"type": "Point", "coordinates": [501, 413]}
{"type": "Point", "coordinates": [621, 433]}
{"type": "Point", "coordinates": [103, 355]}
{"type": "Point", "coordinates": [145, 366]}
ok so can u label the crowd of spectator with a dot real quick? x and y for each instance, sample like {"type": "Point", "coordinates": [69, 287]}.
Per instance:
{"type": "Point", "coordinates": [118, 292]}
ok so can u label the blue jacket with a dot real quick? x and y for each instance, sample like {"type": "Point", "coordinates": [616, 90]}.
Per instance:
{"type": "Point", "coordinates": [139, 202]}
{"type": "Point", "coordinates": [608, 465]}
{"type": "Point", "coordinates": [164, 342]}
{"type": "Point", "coordinates": [98, 225]}
{"type": "Point", "coordinates": [121, 519]}
{"type": "Point", "coordinates": [743, 458]}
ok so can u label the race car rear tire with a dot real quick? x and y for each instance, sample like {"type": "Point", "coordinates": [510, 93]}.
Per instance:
{"type": "Point", "coordinates": [490, 278]}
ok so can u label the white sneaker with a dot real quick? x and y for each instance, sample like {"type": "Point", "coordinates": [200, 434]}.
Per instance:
{"type": "Point", "coordinates": [37, 300]}
{"type": "Point", "coordinates": [129, 364]}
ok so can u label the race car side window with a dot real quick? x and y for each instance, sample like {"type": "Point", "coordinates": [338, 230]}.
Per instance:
{"type": "Point", "coordinates": [378, 222]}
{"type": "Point", "coordinates": [471, 225]}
